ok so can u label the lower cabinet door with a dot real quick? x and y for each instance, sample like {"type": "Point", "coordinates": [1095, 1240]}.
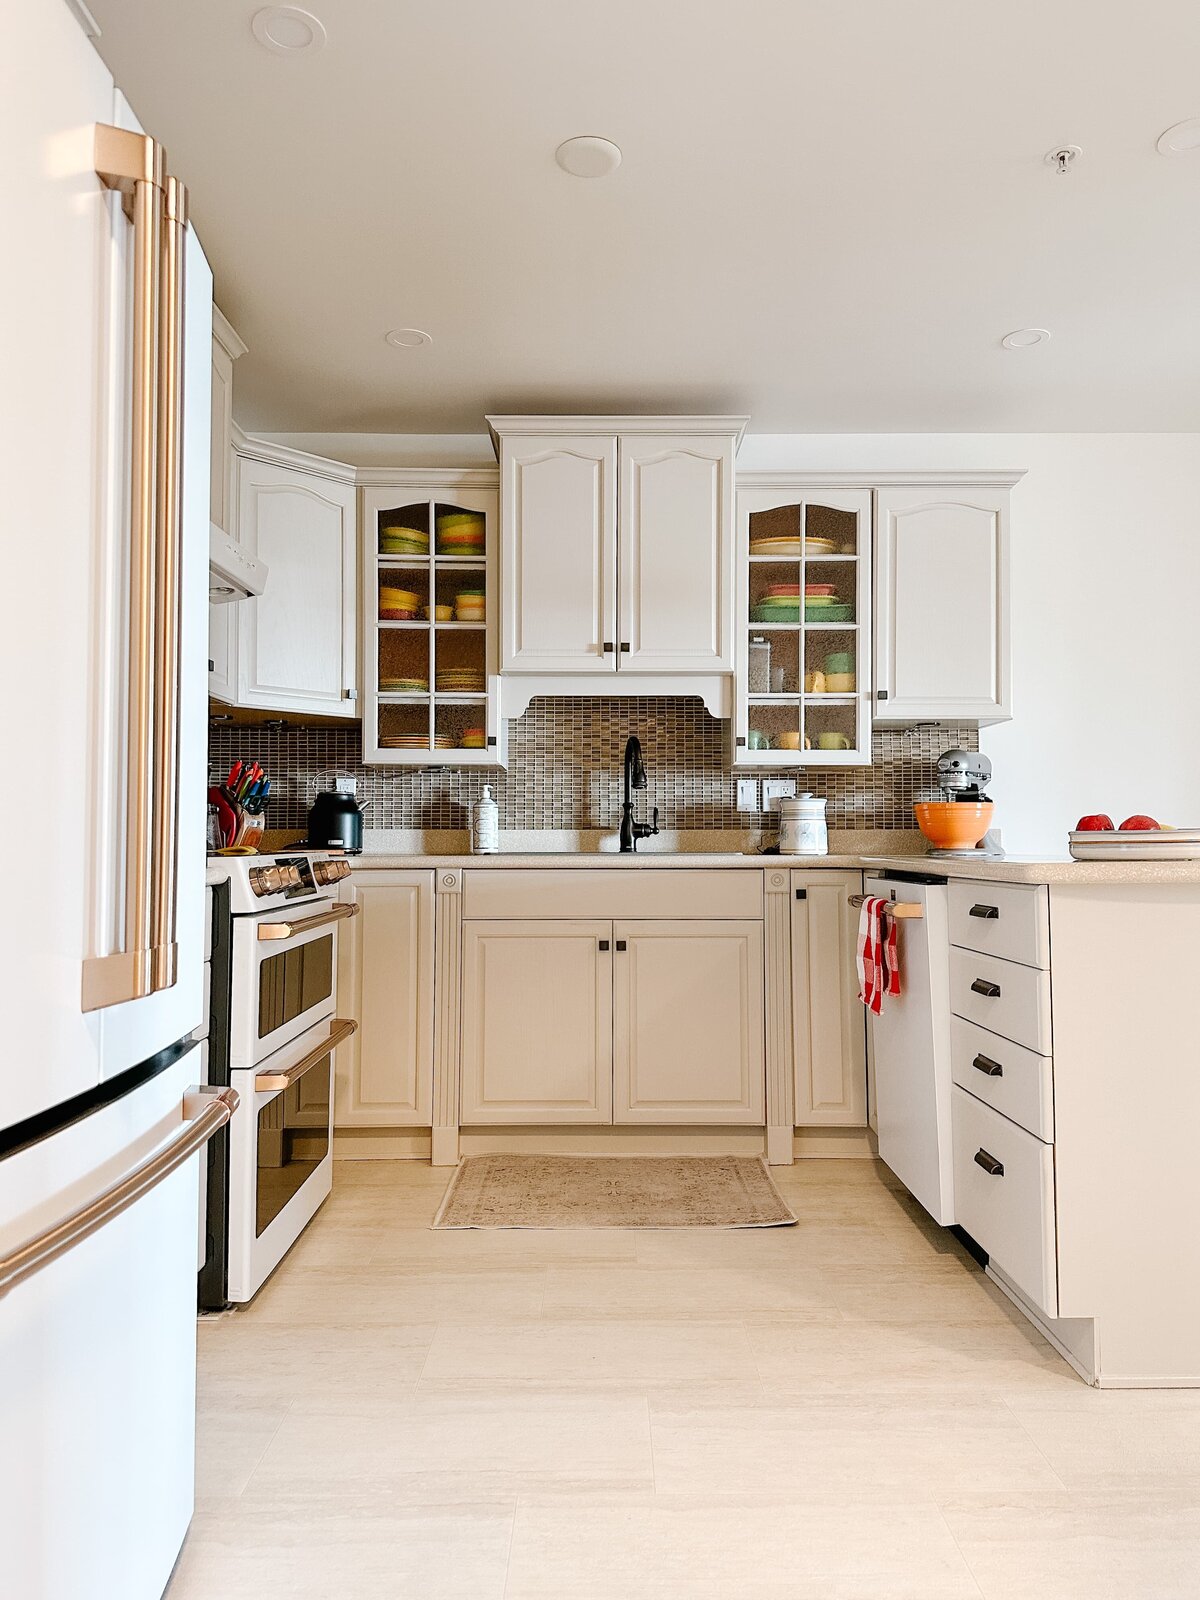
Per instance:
{"type": "Point", "coordinates": [385, 981]}
{"type": "Point", "coordinates": [537, 1022]}
{"type": "Point", "coordinates": [829, 1031]}
{"type": "Point", "coordinates": [688, 1022]}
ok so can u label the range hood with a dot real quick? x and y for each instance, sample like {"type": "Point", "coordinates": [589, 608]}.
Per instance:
{"type": "Point", "coordinates": [233, 573]}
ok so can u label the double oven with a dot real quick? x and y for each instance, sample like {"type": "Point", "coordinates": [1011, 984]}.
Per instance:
{"type": "Point", "coordinates": [274, 1032]}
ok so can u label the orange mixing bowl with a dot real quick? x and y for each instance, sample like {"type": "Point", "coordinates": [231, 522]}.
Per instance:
{"type": "Point", "coordinates": [954, 824]}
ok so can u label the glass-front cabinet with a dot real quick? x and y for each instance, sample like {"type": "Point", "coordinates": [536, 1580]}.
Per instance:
{"type": "Point", "coordinates": [803, 671]}
{"type": "Point", "coordinates": [430, 619]}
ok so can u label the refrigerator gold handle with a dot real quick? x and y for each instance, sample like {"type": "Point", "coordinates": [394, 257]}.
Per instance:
{"type": "Point", "coordinates": [168, 591]}
{"type": "Point", "coordinates": [206, 1110]}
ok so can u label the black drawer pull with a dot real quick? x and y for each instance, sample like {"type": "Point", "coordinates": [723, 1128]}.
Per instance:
{"type": "Point", "coordinates": [604, 944]}
{"type": "Point", "coordinates": [993, 1168]}
{"type": "Point", "coordinates": [984, 911]}
{"type": "Point", "coordinates": [621, 944]}
{"type": "Point", "coordinates": [986, 1065]}
{"type": "Point", "coordinates": [982, 986]}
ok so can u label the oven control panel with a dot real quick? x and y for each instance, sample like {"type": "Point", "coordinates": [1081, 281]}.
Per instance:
{"type": "Point", "coordinates": [296, 876]}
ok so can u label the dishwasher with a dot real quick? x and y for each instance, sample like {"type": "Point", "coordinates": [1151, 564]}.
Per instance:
{"type": "Point", "coordinates": [910, 1041]}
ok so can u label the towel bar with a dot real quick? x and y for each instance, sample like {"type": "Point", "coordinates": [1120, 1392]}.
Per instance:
{"type": "Point", "coordinates": [894, 908]}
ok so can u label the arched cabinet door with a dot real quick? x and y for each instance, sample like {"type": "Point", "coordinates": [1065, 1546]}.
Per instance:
{"type": "Point", "coordinates": [942, 605]}
{"type": "Point", "coordinates": [558, 553]}
{"type": "Point", "coordinates": [297, 645]}
{"type": "Point", "coordinates": [676, 561]}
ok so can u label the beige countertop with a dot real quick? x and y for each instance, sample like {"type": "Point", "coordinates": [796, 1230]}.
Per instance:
{"type": "Point", "coordinates": [884, 851]}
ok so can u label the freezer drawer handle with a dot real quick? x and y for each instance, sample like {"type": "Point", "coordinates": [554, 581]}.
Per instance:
{"type": "Point", "coordinates": [988, 913]}
{"type": "Point", "coordinates": [982, 986]}
{"type": "Point", "coordinates": [206, 1110]}
{"type": "Point", "coordinates": [289, 930]}
{"type": "Point", "coordinates": [986, 1065]}
{"type": "Point", "coordinates": [993, 1168]}
{"type": "Point", "coordinates": [340, 1030]}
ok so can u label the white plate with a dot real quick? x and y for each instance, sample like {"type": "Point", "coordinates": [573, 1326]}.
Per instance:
{"type": "Point", "coordinates": [1172, 844]}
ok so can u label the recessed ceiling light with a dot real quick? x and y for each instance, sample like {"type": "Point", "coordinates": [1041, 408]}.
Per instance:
{"type": "Point", "coordinates": [588, 156]}
{"type": "Point", "coordinates": [408, 338]}
{"type": "Point", "coordinates": [1025, 338]}
{"type": "Point", "coordinates": [287, 30]}
{"type": "Point", "coordinates": [1182, 137]}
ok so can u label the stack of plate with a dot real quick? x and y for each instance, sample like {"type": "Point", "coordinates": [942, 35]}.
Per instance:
{"type": "Point", "coordinates": [461, 533]}
{"type": "Point", "coordinates": [814, 545]}
{"type": "Point", "coordinates": [397, 605]}
{"type": "Point", "coordinates": [460, 680]}
{"type": "Point", "coordinates": [393, 685]}
{"type": "Point", "coordinates": [776, 545]}
{"type": "Point", "coordinates": [779, 602]}
{"type": "Point", "coordinates": [403, 542]}
{"type": "Point", "coordinates": [415, 741]}
{"type": "Point", "coordinates": [1136, 844]}
{"type": "Point", "coordinates": [474, 739]}
{"type": "Point", "coordinates": [470, 605]}
{"type": "Point", "coordinates": [826, 608]}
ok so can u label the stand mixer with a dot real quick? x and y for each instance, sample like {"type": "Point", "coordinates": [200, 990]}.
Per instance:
{"type": "Point", "coordinates": [962, 777]}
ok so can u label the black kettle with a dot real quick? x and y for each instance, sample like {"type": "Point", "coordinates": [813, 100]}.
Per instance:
{"type": "Point", "coordinates": [335, 822]}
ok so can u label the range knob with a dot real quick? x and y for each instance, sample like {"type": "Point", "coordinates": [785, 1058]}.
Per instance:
{"type": "Point", "coordinates": [321, 872]}
{"type": "Point", "coordinates": [291, 877]}
{"type": "Point", "coordinates": [257, 885]}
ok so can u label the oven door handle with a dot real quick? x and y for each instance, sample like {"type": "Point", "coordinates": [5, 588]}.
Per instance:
{"type": "Point", "coordinates": [289, 930]}
{"type": "Point", "coordinates": [340, 1030]}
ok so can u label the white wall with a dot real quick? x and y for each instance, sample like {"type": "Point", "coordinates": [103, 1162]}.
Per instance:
{"type": "Point", "coordinates": [1106, 590]}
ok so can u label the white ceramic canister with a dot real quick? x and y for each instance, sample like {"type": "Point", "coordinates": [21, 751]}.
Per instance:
{"type": "Point", "coordinates": [802, 830]}
{"type": "Point", "coordinates": [485, 825]}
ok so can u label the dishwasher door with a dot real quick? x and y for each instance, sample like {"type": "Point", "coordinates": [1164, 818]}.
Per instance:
{"type": "Point", "coordinates": [911, 1043]}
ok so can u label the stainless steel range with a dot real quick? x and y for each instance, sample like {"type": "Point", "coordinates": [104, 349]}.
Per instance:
{"type": "Point", "coordinates": [273, 1035]}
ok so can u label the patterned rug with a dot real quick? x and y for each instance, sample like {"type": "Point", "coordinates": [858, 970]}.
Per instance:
{"type": "Point", "coordinates": [531, 1191]}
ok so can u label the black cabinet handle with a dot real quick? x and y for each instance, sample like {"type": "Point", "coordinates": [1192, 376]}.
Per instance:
{"type": "Point", "coordinates": [982, 986]}
{"type": "Point", "coordinates": [621, 944]}
{"type": "Point", "coordinates": [990, 1068]}
{"type": "Point", "coordinates": [993, 1168]}
{"type": "Point", "coordinates": [988, 913]}
{"type": "Point", "coordinates": [801, 894]}
{"type": "Point", "coordinates": [624, 649]}
{"type": "Point", "coordinates": [608, 647]}
{"type": "Point", "coordinates": [882, 694]}
{"type": "Point", "coordinates": [740, 741]}
{"type": "Point", "coordinates": [604, 944]}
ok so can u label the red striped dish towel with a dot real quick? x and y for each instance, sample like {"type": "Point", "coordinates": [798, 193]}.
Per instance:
{"type": "Point", "coordinates": [877, 955]}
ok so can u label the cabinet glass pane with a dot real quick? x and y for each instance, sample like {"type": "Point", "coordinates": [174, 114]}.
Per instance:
{"type": "Point", "coordinates": [459, 534]}
{"type": "Point", "coordinates": [777, 532]}
{"type": "Point", "coordinates": [404, 727]}
{"type": "Point", "coordinates": [403, 593]}
{"type": "Point", "coordinates": [404, 531]}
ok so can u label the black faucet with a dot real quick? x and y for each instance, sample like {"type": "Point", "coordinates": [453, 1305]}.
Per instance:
{"type": "Point", "coordinates": [635, 778]}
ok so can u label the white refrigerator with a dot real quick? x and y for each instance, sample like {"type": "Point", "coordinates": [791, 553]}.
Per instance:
{"type": "Point", "coordinates": [105, 441]}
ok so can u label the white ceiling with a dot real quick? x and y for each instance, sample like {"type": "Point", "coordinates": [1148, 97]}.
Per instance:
{"type": "Point", "coordinates": [828, 214]}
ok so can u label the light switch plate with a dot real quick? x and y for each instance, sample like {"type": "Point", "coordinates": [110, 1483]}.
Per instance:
{"type": "Point", "coordinates": [776, 789]}
{"type": "Point", "coordinates": [747, 794]}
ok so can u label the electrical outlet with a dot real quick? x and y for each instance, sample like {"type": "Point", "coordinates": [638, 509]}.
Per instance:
{"type": "Point", "coordinates": [776, 789]}
{"type": "Point", "coordinates": [747, 794]}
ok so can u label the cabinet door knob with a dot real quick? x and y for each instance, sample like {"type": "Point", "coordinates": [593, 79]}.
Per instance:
{"type": "Point", "coordinates": [624, 649]}
{"type": "Point", "coordinates": [349, 694]}
{"type": "Point", "coordinates": [604, 944]}
{"type": "Point", "coordinates": [740, 741]}
{"type": "Point", "coordinates": [993, 1168]}
{"type": "Point", "coordinates": [801, 894]}
{"type": "Point", "coordinates": [990, 1068]}
{"type": "Point", "coordinates": [988, 913]}
{"type": "Point", "coordinates": [982, 986]}
{"type": "Point", "coordinates": [881, 694]}
{"type": "Point", "coordinates": [607, 647]}
{"type": "Point", "coordinates": [621, 945]}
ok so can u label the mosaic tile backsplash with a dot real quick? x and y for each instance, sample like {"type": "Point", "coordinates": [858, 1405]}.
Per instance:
{"type": "Point", "coordinates": [564, 771]}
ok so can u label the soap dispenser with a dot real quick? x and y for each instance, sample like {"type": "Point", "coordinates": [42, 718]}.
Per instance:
{"type": "Point", "coordinates": [485, 825]}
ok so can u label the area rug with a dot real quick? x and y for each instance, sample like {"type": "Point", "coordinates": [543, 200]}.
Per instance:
{"type": "Point", "coordinates": [532, 1191]}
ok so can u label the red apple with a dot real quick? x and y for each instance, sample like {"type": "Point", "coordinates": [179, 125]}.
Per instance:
{"type": "Point", "coordinates": [1098, 822]}
{"type": "Point", "coordinates": [1139, 823]}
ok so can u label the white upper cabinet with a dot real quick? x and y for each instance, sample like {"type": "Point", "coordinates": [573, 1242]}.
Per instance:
{"type": "Point", "coordinates": [631, 577]}
{"type": "Point", "coordinates": [942, 603]}
{"type": "Point", "coordinates": [558, 553]}
{"type": "Point", "coordinates": [676, 553]}
{"type": "Point", "coordinates": [297, 642]}
{"type": "Point", "coordinates": [222, 509]}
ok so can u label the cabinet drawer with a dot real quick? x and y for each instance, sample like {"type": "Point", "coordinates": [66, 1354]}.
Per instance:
{"type": "Point", "coordinates": [1014, 1080]}
{"type": "Point", "coordinates": [1004, 1197]}
{"type": "Point", "coordinates": [1010, 920]}
{"type": "Point", "coordinates": [1003, 997]}
{"type": "Point", "coordinates": [613, 892]}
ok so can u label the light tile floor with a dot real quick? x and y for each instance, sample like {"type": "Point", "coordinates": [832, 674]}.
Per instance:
{"type": "Point", "coordinates": [845, 1410]}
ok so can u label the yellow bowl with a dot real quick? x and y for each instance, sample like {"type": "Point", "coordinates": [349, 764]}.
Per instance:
{"type": "Point", "coordinates": [438, 613]}
{"type": "Point", "coordinates": [954, 824]}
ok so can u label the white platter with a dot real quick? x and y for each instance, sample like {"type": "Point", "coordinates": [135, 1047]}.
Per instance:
{"type": "Point", "coordinates": [1171, 844]}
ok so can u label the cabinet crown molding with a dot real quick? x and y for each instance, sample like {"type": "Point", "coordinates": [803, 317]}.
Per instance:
{"type": "Point", "coordinates": [997, 478]}
{"type": "Point", "coordinates": [282, 455]}
{"type": "Point", "coordinates": [227, 335]}
{"type": "Point", "coordinates": [499, 426]}
{"type": "Point", "coordinates": [427, 477]}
